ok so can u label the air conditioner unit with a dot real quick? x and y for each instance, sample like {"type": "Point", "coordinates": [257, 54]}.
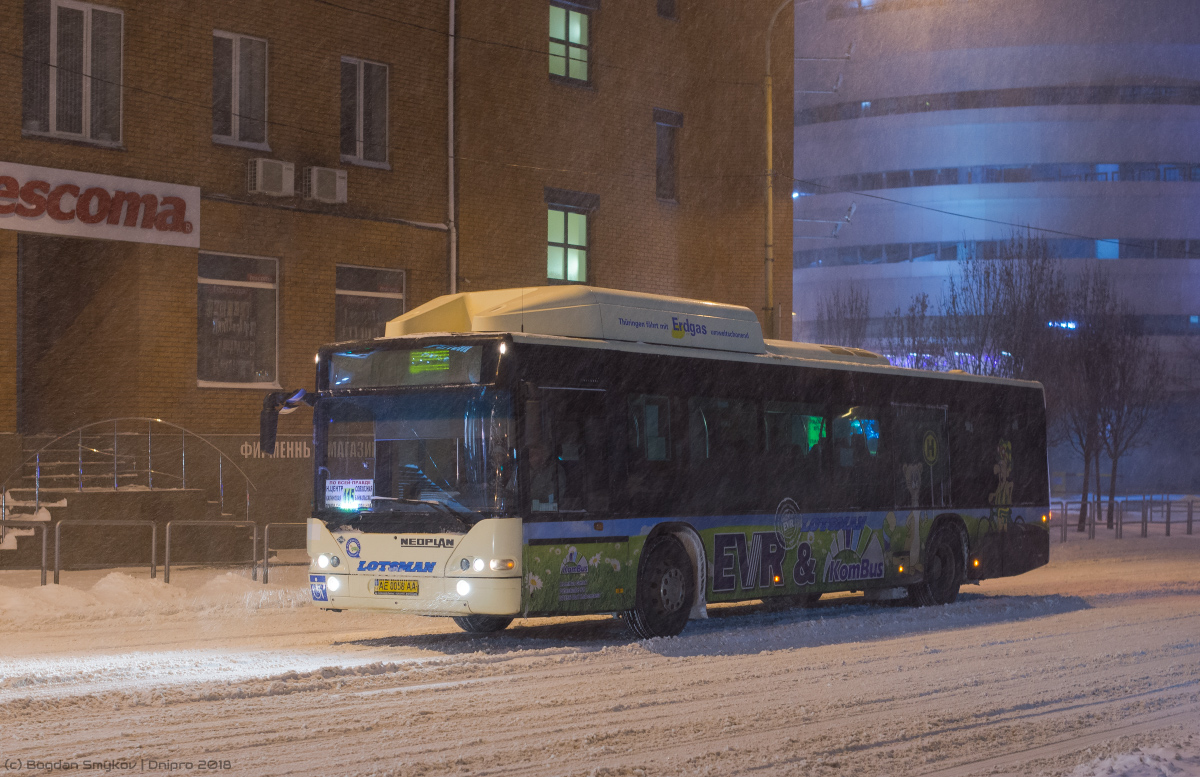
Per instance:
{"type": "Point", "coordinates": [270, 176]}
{"type": "Point", "coordinates": [324, 184]}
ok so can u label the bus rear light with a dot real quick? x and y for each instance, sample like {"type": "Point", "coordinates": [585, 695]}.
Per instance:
{"type": "Point", "coordinates": [502, 564]}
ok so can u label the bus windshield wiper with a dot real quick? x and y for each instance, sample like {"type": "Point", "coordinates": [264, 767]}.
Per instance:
{"type": "Point", "coordinates": [430, 502]}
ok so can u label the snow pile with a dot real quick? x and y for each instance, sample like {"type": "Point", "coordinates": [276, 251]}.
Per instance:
{"type": "Point", "coordinates": [1162, 761]}
{"type": "Point", "coordinates": [126, 595]}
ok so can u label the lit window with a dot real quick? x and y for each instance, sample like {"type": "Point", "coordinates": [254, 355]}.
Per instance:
{"type": "Point", "coordinates": [569, 42]}
{"type": "Point", "coordinates": [566, 254]}
{"type": "Point", "coordinates": [364, 127]}
{"type": "Point", "coordinates": [236, 321]}
{"type": "Point", "coordinates": [367, 298]}
{"type": "Point", "coordinates": [239, 96]}
{"type": "Point", "coordinates": [71, 84]}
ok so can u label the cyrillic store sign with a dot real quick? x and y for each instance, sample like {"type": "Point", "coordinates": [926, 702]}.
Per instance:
{"type": "Point", "coordinates": [108, 207]}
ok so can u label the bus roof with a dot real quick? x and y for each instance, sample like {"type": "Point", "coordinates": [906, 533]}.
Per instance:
{"type": "Point", "coordinates": [632, 321]}
{"type": "Point", "coordinates": [592, 313]}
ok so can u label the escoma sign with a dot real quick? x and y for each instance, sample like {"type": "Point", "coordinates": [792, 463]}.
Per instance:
{"type": "Point", "coordinates": [108, 207]}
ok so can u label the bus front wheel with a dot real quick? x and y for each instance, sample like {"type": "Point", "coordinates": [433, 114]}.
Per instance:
{"type": "Point", "coordinates": [666, 586]}
{"type": "Point", "coordinates": [481, 624]}
{"type": "Point", "coordinates": [944, 569]}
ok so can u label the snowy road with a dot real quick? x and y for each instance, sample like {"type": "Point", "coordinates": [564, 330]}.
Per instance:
{"type": "Point", "coordinates": [1089, 666]}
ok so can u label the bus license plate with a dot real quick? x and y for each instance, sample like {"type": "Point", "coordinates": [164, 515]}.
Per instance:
{"type": "Point", "coordinates": [397, 587]}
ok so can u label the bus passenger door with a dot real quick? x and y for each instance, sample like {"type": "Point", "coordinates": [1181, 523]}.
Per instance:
{"type": "Point", "coordinates": [573, 563]}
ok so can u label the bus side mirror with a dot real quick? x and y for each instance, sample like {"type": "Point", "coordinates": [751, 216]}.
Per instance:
{"type": "Point", "coordinates": [275, 404]}
{"type": "Point", "coordinates": [268, 421]}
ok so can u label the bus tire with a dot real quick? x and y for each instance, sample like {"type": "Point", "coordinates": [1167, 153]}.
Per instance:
{"type": "Point", "coordinates": [482, 624]}
{"type": "Point", "coordinates": [945, 566]}
{"type": "Point", "coordinates": [666, 587]}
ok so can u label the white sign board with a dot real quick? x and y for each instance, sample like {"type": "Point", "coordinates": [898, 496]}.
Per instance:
{"type": "Point", "coordinates": [106, 207]}
{"type": "Point", "coordinates": [349, 494]}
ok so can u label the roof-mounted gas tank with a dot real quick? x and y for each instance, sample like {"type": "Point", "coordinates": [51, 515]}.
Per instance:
{"type": "Point", "coordinates": [585, 311]}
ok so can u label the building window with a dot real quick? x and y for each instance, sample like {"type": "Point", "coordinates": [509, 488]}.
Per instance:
{"type": "Point", "coordinates": [71, 81]}
{"type": "Point", "coordinates": [666, 9]}
{"type": "Point", "coordinates": [236, 310]}
{"type": "Point", "coordinates": [364, 112]}
{"type": "Point", "coordinates": [568, 214]}
{"type": "Point", "coordinates": [666, 162]}
{"type": "Point", "coordinates": [566, 254]}
{"type": "Point", "coordinates": [239, 96]}
{"type": "Point", "coordinates": [569, 42]}
{"type": "Point", "coordinates": [367, 298]}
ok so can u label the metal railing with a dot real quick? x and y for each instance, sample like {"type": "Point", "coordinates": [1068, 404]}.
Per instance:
{"type": "Point", "coordinates": [1149, 509]}
{"type": "Point", "coordinates": [232, 524]}
{"type": "Point", "coordinates": [267, 546]}
{"type": "Point", "coordinates": [43, 525]}
{"type": "Point", "coordinates": [153, 540]}
{"type": "Point", "coordinates": [119, 453]}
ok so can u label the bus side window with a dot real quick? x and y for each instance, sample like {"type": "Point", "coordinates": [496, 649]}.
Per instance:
{"type": "Point", "coordinates": [724, 453]}
{"type": "Point", "coordinates": [795, 442]}
{"type": "Point", "coordinates": [649, 427]}
{"type": "Point", "coordinates": [858, 459]}
{"type": "Point", "coordinates": [650, 476]}
{"type": "Point", "coordinates": [568, 459]}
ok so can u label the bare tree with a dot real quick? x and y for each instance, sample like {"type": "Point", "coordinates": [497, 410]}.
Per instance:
{"type": "Point", "coordinates": [910, 339]}
{"type": "Point", "coordinates": [1114, 383]}
{"type": "Point", "coordinates": [843, 317]}
{"type": "Point", "coordinates": [1134, 390]}
{"type": "Point", "coordinates": [997, 313]}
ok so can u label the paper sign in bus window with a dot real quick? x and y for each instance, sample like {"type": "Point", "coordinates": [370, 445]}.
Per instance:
{"type": "Point", "coordinates": [349, 494]}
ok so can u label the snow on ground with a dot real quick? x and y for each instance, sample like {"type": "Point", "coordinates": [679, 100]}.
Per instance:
{"type": "Point", "coordinates": [1087, 667]}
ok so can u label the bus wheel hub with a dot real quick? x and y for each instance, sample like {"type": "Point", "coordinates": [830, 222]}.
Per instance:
{"type": "Point", "coordinates": [671, 590]}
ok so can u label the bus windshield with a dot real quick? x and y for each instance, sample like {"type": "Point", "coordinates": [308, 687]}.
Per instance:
{"type": "Point", "coordinates": [437, 451]}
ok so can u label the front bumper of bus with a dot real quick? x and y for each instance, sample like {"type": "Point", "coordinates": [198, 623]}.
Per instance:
{"type": "Point", "coordinates": [425, 579]}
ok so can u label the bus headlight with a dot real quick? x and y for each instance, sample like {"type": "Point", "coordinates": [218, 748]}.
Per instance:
{"type": "Point", "coordinates": [463, 588]}
{"type": "Point", "coordinates": [333, 583]}
{"type": "Point", "coordinates": [478, 565]}
{"type": "Point", "coordinates": [323, 561]}
{"type": "Point", "coordinates": [502, 564]}
{"type": "Point", "coordinates": [334, 561]}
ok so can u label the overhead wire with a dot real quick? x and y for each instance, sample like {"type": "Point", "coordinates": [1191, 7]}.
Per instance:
{"type": "Point", "coordinates": [984, 219]}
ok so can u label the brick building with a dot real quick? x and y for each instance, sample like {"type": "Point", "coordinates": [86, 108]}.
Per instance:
{"type": "Point", "coordinates": [194, 197]}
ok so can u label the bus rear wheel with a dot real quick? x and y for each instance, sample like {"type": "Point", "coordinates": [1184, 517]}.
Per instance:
{"type": "Point", "coordinates": [482, 624]}
{"type": "Point", "coordinates": [666, 587]}
{"type": "Point", "coordinates": [944, 569]}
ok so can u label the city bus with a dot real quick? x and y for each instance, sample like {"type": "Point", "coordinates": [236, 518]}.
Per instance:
{"type": "Point", "coordinates": [569, 450]}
